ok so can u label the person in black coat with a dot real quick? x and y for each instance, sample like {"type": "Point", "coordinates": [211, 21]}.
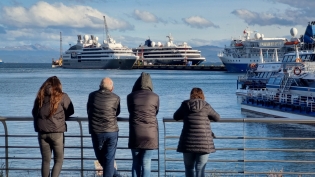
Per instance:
{"type": "Point", "coordinates": [143, 106]}
{"type": "Point", "coordinates": [196, 139]}
{"type": "Point", "coordinates": [103, 107]}
{"type": "Point", "coordinates": [51, 109]}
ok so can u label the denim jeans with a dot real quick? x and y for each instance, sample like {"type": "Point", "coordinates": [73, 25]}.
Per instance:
{"type": "Point", "coordinates": [197, 161]}
{"type": "Point", "coordinates": [141, 162]}
{"type": "Point", "coordinates": [105, 145]}
{"type": "Point", "coordinates": [51, 142]}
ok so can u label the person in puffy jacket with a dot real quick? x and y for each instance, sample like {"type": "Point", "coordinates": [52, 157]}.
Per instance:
{"type": "Point", "coordinates": [196, 139]}
{"type": "Point", "coordinates": [103, 107]}
{"type": "Point", "coordinates": [51, 109]}
{"type": "Point", "coordinates": [143, 106]}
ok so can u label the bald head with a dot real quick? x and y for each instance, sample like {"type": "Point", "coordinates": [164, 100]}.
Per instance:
{"type": "Point", "coordinates": [107, 84]}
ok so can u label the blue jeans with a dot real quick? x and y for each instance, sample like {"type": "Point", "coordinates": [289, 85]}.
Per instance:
{"type": "Point", "coordinates": [105, 145]}
{"type": "Point", "coordinates": [49, 142]}
{"type": "Point", "coordinates": [197, 161]}
{"type": "Point", "coordinates": [141, 162]}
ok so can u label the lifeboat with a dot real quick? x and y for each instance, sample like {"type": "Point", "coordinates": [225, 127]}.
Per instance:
{"type": "Point", "coordinates": [238, 45]}
{"type": "Point", "coordinates": [292, 43]}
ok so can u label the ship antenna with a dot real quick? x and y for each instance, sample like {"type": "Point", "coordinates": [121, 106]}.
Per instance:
{"type": "Point", "coordinates": [60, 45]}
{"type": "Point", "coordinates": [60, 59]}
{"type": "Point", "coordinates": [106, 29]}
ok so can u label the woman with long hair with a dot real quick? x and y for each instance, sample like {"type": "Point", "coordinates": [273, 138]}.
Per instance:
{"type": "Point", "coordinates": [196, 139]}
{"type": "Point", "coordinates": [51, 109]}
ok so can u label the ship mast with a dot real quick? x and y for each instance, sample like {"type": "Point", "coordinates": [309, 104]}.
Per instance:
{"type": "Point", "coordinates": [106, 29]}
{"type": "Point", "coordinates": [60, 46]}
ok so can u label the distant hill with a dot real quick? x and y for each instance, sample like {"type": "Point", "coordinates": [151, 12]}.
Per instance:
{"type": "Point", "coordinates": [42, 54]}
{"type": "Point", "coordinates": [28, 54]}
{"type": "Point", "coordinates": [210, 52]}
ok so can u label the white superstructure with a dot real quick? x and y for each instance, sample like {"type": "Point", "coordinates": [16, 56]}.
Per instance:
{"type": "Point", "coordinates": [169, 53]}
{"type": "Point", "coordinates": [89, 53]}
{"type": "Point", "coordinates": [259, 49]}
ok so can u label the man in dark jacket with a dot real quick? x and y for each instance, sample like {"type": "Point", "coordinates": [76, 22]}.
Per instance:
{"type": "Point", "coordinates": [143, 106]}
{"type": "Point", "coordinates": [103, 107]}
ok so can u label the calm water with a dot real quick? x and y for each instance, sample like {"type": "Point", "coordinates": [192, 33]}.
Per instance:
{"type": "Point", "coordinates": [20, 82]}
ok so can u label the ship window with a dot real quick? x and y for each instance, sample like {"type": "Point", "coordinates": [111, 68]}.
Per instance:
{"type": "Point", "coordinates": [268, 74]}
{"type": "Point", "coordinates": [312, 57]}
{"type": "Point", "coordinates": [271, 80]}
{"type": "Point", "coordinates": [76, 47]}
{"type": "Point", "coordinates": [277, 80]}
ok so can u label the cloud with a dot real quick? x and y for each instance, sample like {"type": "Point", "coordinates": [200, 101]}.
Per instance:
{"type": "Point", "coordinates": [43, 15]}
{"type": "Point", "coordinates": [146, 16]}
{"type": "Point", "coordinates": [2, 30]}
{"type": "Point", "coordinates": [299, 13]}
{"type": "Point", "coordinates": [199, 22]}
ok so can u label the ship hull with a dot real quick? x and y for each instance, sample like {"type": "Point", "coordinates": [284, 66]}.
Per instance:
{"type": "Point", "coordinates": [99, 64]}
{"type": "Point", "coordinates": [170, 61]}
{"type": "Point", "coordinates": [236, 67]}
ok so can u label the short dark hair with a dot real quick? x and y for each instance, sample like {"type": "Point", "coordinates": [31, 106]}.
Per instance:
{"type": "Point", "coordinates": [197, 93]}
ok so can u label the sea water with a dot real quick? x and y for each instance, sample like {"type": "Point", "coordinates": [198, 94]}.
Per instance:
{"type": "Point", "coordinates": [19, 83]}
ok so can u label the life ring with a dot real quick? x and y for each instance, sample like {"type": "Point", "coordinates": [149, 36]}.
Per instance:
{"type": "Point", "coordinates": [298, 60]}
{"type": "Point", "coordinates": [297, 71]}
{"type": "Point", "coordinates": [253, 65]}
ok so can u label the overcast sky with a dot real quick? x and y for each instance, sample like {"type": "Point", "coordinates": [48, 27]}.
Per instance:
{"type": "Point", "coordinates": [131, 22]}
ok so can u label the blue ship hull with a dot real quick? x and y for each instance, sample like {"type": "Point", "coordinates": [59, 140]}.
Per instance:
{"type": "Point", "coordinates": [236, 67]}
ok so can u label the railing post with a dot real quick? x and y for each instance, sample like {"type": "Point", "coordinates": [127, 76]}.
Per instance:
{"type": "Point", "coordinates": [81, 139]}
{"type": "Point", "coordinates": [6, 148]}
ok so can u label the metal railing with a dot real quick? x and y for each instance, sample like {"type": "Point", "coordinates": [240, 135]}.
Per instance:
{"type": "Point", "coordinates": [245, 159]}
{"type": "Point", "coordinates": [83, 148]}
{"type": "Point", "coordinates": [168, 161]}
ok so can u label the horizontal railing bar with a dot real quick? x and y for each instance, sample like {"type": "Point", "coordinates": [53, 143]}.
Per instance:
{"type": "Point", "coordinates": [251, 138]}
{"type": "Point", "coordinates": [237, 149]}
{"type": "Point", "coordinates": [177, 160]}
{"type": "Point", "coordinates": [208, 171]}
{"type": "Point", "coordinates": [177, 137]}
{"type": "Point", "coordinates": [288, 173]}
{"type": "Point", "coordinates": [69, 158]}
{"type": "Point", "coordinates": [255, 120]}
{"type": "Point", "coordinates": [167, 119]}
{"type": "Point", "coordinates": [68, 169]}
{"type": "Point", "coordinates": [247, 172]}
{"type": "Point", "coordinates": [25, 118]}
{"type": "Point", "coordinates": [68, 147]}
{"type": "Point", "coordinates": [257, 149]}
{"type": "Point", "coordinates": [245, 160]}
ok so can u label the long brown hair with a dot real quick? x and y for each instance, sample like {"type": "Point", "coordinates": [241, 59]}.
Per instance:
{"type": "Point", "coordinates": [197, 93]}
{"type": "Point", "coordinates": [53, 86]}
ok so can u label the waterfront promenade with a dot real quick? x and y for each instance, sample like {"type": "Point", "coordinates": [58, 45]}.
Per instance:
{"type": "Point", "coordinates": [240, 151]}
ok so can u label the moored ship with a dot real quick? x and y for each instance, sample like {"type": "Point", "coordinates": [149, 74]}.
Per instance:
{"type": "Point", "coordinates": [259, 49]}
{"type": "Point", "coordinates": [88, 53]}
{"type": "Point", "coordinates": [152, 53]}
{"type": "Point", "coordinates": [285, 89]}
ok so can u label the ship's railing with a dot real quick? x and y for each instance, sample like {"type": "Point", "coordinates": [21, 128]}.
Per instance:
{"type": "Point", "coordinates": [167, 161]}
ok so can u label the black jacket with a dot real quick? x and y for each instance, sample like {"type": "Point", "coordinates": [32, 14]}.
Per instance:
{"type": "Point", "coordinates": [143, 106]}
{"type": "Point", "coordinates": [196, 136]}
{"type": "Point", "coordinates": [103, 107]}
{"type": "Point", "coordinates": [57, 123]}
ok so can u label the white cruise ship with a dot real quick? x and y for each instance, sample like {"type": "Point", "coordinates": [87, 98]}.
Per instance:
{"type": "Point", "coordinates": [168, 54]}
{"type": "Point", "coordinates": [88, 53]}
{"type": "Point", "coordinates": [241, 52]}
